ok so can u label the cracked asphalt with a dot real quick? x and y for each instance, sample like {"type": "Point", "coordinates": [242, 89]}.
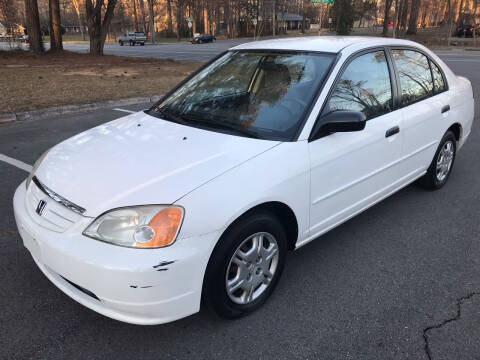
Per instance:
{"type": "Point", "coordinates": [399, 281]}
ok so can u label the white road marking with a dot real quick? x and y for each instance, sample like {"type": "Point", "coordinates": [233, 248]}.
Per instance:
{"type": "Point", "coordinates": [17, 163]}
{"type": "Point", "coordinates": [127, 111]}
{"type": "Point", "coordinates": [460, 60]}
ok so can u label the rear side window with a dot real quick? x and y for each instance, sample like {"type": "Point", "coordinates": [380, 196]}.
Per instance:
{"type": "Point", "coordinates": [364, 86]}
{"type": "Point", "coordinates": [438, 80]}
{"type": "Point", "coordinates": [414, 73]}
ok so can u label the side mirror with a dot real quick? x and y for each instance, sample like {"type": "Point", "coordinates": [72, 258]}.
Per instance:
{"type": "Point", "coordinates": [340, 121]}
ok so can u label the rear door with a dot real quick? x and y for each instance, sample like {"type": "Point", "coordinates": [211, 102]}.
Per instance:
{"type": "Point", "coordinates": [352, 170]}
{"type": "Point", "coordinates": [423, 104]}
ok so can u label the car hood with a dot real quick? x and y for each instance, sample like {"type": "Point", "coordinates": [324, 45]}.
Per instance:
{"type": "Point", "coordinates": [140, 159]}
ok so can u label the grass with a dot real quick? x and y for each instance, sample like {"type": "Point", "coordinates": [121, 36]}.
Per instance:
{"type": "Point", "coordinates": [28, 82]}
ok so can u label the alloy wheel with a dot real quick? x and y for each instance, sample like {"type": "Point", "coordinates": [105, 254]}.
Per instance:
{"type": "Point", "coordinates": [445, 160]}
{"type": "Point", "coordinates": [252, 267]}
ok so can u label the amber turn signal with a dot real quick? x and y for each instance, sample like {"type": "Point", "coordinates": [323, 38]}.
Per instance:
{"type": "Point", "coordinates": [165, 224]}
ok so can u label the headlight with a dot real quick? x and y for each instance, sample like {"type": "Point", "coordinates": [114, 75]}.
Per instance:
{"type": "Point", "coordinates": [147, 226]}
{"type": "Point", "coordinates": [35, 167]}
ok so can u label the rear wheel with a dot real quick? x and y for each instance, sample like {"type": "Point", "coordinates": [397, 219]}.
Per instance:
{"type": "Point", "coordinates": [142, 44]}
{"type": "Point", "coordinates": [121, 43]}
{"type": "Point", "coordinates": [132, 43]}
{"type": "Point", "coordinates": [442, 163]}
{"type": "Point", "coordinates": [245, 266]}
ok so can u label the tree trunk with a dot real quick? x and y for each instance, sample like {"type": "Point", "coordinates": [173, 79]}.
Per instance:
{"type": "Point", "coordinates": [135, 16]}
{"type": "Point", "coordinates": [98, 29]}
{"type": "Point", "coordinates": [386, 17]}
{"type": "Point", "coordinates": [76, 6]}
{"type": "Point", "coordinates": [152, 20]}
{"type": "Point", "coordinates": [169, 16]}
{"type": "Point", "coordinates": [412, 24]}
{"type": "Point", "coordinates": [460, 10]}
{"type": "Point", "coordinates": [450, 22]}
{"type": "Point", "coordinates": [403, 24]}
{"type": "Point", "coordinates": [142, 14]}
{"type": "Point", "coordinates": [55, 26]}
{"type": "Point", "coordinates": [33, 27]}
{"type": "Point", "coordinates": [395, 19]}
{"type": "Point", "coordinates": [178, 9]}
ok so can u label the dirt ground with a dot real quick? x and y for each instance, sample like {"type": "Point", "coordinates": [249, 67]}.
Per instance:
{"type": "Point", "coordinates": [29, 82]}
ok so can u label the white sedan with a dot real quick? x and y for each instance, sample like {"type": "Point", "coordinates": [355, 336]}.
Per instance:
{"type": "Point", "coordinates": [265, 148]}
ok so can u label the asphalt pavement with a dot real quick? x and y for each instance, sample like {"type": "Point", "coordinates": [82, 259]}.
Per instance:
{"type": "Point", "coordinates": [399, 281]}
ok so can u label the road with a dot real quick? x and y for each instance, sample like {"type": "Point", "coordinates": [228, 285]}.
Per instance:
{"type": "Point", "coordinates": [177, 51]}
{"type": "Point", "coordinates": [204, 52]}
{"type": "Point", "coordinates": [401, 279]}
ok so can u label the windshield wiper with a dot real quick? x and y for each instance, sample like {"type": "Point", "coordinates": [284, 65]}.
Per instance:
{"type": "Point", "coordinates": [169, 115]}
{"type": "Point", "coordinates": [222, 125]}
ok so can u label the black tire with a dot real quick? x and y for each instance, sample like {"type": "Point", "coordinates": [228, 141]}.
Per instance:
{"type": "Point", "coordinates": [132, 43]}
{"type": "Point", "coordinates": [215, 295]}
{"type": "Point", "coordinates": [430, 180]}
{"type": "Point", "coordinates": [142, 44]}
{"type": "Point", "coordinates": [121, 43]}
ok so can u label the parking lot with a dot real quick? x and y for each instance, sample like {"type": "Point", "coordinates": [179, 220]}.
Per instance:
{"type": "Point", "coordinates": [399, 281]}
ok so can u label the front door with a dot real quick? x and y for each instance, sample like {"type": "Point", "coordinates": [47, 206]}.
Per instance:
{"type": "Point", "coordinates": [352, 170]}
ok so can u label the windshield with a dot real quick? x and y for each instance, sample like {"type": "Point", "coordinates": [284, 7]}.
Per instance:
{"type": "Point", "coordinates": [250, 93]}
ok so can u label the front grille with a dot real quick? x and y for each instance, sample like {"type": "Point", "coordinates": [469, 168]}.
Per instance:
{"type": "Point", "coordinates": [55, 216]}
{"type": "Point", "coordinates": [60, 199]}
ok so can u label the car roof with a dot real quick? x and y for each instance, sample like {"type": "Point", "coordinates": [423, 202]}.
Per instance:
{"type": "Point", "coordinates": [330, 44]}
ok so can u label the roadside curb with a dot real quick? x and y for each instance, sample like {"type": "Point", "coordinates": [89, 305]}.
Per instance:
{"type": "Point", "coordinates": [46, 113]}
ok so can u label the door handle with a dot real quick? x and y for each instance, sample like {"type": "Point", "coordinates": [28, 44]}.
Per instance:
{"type": "Point", "coordinates": [394, 130]}
{"type": "Point", "coordinates": [445, 108]}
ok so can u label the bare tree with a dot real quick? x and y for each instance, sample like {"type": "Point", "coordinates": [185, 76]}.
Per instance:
{"type": "Point", "coordinates": [55, 26]}
{"type": "Point", "coordinates": [33, 27]}
{"type": "Point", "coordinates": [386, 18]}
{"type": "Point", "coordinates": [412, 24]}
{"type": "Point", "coordinates": [98, 29]}
{"type": "Point", "coordinates": [76, 6]}
{"type": "Point", "coordinates": [169, 17]}
{"type": "Point", "coordinates": [142, 14]}
{"type": "Point", "coordinates": [9, 14]}
{"type": "Point", "coordinates": [460, 17]}
{"type": "Point", "coordinates": [152, 20]}
{"type": "Point", "coordinates": [135, 14]}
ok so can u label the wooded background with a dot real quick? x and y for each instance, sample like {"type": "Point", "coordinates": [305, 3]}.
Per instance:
{"type": "Point", "coordinates": [97, 20]}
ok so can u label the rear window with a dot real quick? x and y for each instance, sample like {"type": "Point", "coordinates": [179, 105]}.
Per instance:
{"type": "Point", "coordinates": [415, 77]}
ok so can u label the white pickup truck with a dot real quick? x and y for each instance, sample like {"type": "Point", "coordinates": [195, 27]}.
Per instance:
{"type": "Point", "coordinates": [132, 38]}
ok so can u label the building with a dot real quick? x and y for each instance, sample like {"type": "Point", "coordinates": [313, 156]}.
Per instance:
{"type": "Point", "coordinates": [3, 30]}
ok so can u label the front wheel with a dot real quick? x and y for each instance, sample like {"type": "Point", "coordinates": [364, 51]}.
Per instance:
{"type": "Point", "coordinates": [121, 43]}
{"type": "Point", "coordinates": [245, 266]}
{"type": "Point", "coordinates": [442, 163]}
{"type": "Point", "coordinates": [132, 43]}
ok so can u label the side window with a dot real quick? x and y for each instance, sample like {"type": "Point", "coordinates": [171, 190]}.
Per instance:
{"type": "Point", "coordinates": [438, 80]}
{"type": "Point", "coordinates": [364, 86]}
{"type": "Point", "coordinates": [414, 74]}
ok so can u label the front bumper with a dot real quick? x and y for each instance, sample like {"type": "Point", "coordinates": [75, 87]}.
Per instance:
{"type": "Point", "coordinates": [139, 286]}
